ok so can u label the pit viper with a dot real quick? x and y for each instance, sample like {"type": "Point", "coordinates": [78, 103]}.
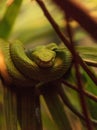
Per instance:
{"type": "Point", "coordinates": [28, 67]}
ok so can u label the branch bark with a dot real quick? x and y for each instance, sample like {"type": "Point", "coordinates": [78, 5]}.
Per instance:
{"type": "Point", "coordinates": [79, 13]}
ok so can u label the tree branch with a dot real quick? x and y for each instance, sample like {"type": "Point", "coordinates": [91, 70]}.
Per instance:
{"type": "Point", "coordinates": [79, 13]}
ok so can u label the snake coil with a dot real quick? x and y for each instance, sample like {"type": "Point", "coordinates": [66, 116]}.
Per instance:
{"type": "Point", "coordinates": [27, 68]}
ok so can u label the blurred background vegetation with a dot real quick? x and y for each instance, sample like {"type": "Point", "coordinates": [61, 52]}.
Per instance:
{"type": "Point", "coordinates": [32, 28]}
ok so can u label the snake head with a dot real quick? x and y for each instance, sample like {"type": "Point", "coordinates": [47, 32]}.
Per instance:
{"type": "Point", "coordinates": [43, 56]}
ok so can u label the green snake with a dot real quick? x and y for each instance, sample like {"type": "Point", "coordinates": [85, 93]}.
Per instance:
{"type": "Point", "coordinates": [43, 63]}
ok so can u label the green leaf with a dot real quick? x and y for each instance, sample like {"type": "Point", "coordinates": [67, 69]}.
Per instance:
{"type": "Point", "coordinates": [56, 108]}
{"type": "Point", "coordinates": [8, 20]}
{"type": "Point", "coordinates": [91, 87]}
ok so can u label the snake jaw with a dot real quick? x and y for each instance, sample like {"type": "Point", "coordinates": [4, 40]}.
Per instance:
{"type": "Point", "coordinates": [46, 64]}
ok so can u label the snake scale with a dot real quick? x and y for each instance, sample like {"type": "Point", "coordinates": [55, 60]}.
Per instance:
{"type": "Point", "coordinates": [38, 65]}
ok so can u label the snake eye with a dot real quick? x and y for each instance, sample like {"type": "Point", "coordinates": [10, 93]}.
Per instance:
{"type": "Point", "coordinates": [44, 57]}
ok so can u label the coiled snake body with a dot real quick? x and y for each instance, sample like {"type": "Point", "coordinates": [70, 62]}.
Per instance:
{"type": "Point", "coordinates": [27, 68]}
{"type": "Point", "coordinates": [39, 65]}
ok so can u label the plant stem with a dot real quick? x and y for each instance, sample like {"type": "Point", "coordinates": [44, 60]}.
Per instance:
{"type": "Point", "coordinates": [10, 108]}
{"type": "Point", "coordinates": [28, 106]}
